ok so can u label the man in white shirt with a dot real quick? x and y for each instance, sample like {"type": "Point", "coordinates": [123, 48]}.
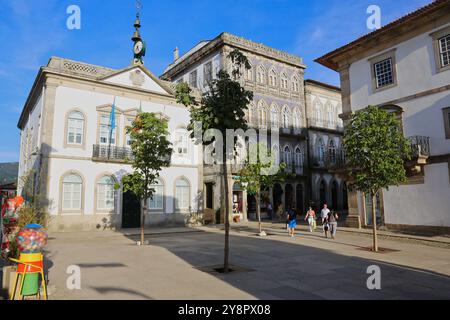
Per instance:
{"type": "Point", "coordinates": [324, 213]}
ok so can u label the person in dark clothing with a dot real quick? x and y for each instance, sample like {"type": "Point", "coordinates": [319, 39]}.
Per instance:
{"type": "Point", "coordinates": [292, 221]}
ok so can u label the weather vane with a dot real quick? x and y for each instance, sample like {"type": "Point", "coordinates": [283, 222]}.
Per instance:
{"type": "Point", "coordinates": [138, 6]}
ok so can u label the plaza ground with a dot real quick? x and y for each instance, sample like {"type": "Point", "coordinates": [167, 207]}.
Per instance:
{"type": "Point", "coordinates": [276, 267]}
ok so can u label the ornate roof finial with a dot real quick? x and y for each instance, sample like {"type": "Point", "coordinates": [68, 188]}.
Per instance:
{"type": "Point", "coordinates": [139, 45]}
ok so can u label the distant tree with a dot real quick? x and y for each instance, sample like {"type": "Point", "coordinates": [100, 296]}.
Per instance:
{"type": "Point", "coordinates": [222, 108]}
{"type": "Point", "coordinates": [375, 151]}
{"type": "Point", "coordinates": [151, 152]}
{"type": "Point", "coordinates": [260, 172]}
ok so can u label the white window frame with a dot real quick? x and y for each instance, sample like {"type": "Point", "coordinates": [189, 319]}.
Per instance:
{"type": "Point", "coordinates": [106, 195]}
{"type": "Point", "coordinates": [183, 192]}
{"type": "Point", "coordinates": [75, 127]}
{"type": "Point", "coordinates": [157, 205]}
{"type": "Point", "coordinates": [71, 188]}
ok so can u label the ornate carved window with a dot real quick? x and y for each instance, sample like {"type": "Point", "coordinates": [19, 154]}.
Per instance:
{"type": "Point", "coordinates": [261, 75]}
{"type": "Point", "coordinates": [273, 78]}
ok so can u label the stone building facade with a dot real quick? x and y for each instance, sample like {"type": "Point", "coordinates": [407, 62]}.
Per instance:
{"type": "Point", "coordinates": [280, 106]}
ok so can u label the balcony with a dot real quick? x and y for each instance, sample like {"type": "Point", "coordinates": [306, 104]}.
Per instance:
{"type": "Point", "coordinates": [421, 151]}
{"type": "Point", "coordinates": [330, 161]}
{"type": "Point", "coordinates": [336, 125]}
{"type": "Point", "coordinates": [105, 153]}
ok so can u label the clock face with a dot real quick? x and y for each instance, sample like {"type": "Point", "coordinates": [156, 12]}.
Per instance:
{"type": "Point", "coordinates": [138, 47]}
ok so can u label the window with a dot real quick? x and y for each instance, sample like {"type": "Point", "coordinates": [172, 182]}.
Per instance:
{"type": "Point", "coordinates": [274, 118]}
{"type": "Point", "coordinates": [284, 81]}
{"type": "Point", "coordinates": [273, 78]}
{"type": "Point", "coordinates": [447, 122]}
{"type": "Point", "coordinates": [296, 119]}
{"type": "Point", "coordinates": [249, 74]}
{"type": "Point", "coordinates": [383, 73]}
{"type": "Point", "coordinates": [287, 159]}
{"type": "Point", "coordinates": [105, 194]}
{"type": "Point", "coordinates": [298, 157]}
{"type": "Point", "coordinates": [75, 128]}
{"type": "Point", "coordinates": [72, 186]}
{"type": "Point", "coordinates": [332, 151]}
{"type": "Point", "coordinates": [295, 84]}
{"type": "Point", "coordinates": [182, 191]}
{"type": "Point", "coordinates": [181, 144]}
{"type": "Point", "coordinates": [261, 75]}
{"type": "Point", "coordinates": [441, 44]}
{"type": "Point", "coordinates": [105, 132]}
{"type": "Point", "coordinates": [157, 200]}
{"type": "Point", "coordinates": [286, 118]}
{"type": "Point", "coordinates": [444, 50]}
{"type": "Point", "coordinates": [128, 123]}
{"type": "Point", "coordinates": [262, 113]}
{"type": "Point", "coordinates": [320, 150]}
{"type": "Point", "coordinates": [207, 72]}
{"type": "Point", "coordinates": [193, 79]}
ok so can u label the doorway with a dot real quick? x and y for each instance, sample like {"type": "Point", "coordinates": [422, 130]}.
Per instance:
{"type": "Point", "coordinates": [131, 211]}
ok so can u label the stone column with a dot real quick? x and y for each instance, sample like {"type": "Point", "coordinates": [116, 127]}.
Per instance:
{"type": "Point", "coordinates": [353, 219]}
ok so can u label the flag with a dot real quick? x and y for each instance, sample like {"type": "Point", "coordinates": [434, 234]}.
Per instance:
{"type": "Point", "coordinates": [112, 125]}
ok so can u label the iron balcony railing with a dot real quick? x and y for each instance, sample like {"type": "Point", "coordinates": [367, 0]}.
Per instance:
{"type": "Point", "coordinates": [112, 153]}
{"type": "Point", "coordinates": [326, 124]}
{"type": "Point", "coordinates": [330, 160]}
{"type": "Point", "coordinates": [420, 146]}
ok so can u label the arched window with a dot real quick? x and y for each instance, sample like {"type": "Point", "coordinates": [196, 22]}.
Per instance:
{"type": "Point", "coordinates": [295, 84]}
{"type": "Point", "coordinates": [332, 151]}
{"type": "Point", "coordinates": [273, 78]}
{"type": "Point", "coordinates": [249, 74]}
{"type": "Point", "coordinates": [284, 81]}
{"type": "Point", "coordinates": [261, 75]}
{"type": "Point", "coordinates": [318, 113]}
{"type": "Point", "coordinates": [276, 155]}
{"type": "Point", "coordinates": [297, 119]}
{"type": "Point", "coordinates": [274, 116]}
{"type": "Point", "coordinates": [287, 156]}
{"type": "Point", "coordinates": [320, 150]}
{"type": "Point", "coordinates": [330, 114]}
{"type": "Point", "coordinates": [72, 187]}
{"type": "Point", "coordinates": [75, 128]}
{"type": "Point", "coordinates": [262, 113]}
{"type": "Point", "coordinates": [298, 157]}
{"type": "Point", "coordinates": [286, 118]}
{"type": "Point", "coordinates": [181, 143]}
{"type": "Point", "coordinates": [105, 193]}
{"type": "Point", "coordinates": [182, 195]}
{"type": "Point", "coordinates": [157, 200]}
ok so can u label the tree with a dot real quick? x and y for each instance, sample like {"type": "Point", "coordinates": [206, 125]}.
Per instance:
{"type": "Point", "coordinates": [222, 108]}
{"type": "Point", "coordinates": [151, 152]}
{"type": "Point", "coordinates": [375, 151]}
{"type": "Point", "coordinates": [257, 174]}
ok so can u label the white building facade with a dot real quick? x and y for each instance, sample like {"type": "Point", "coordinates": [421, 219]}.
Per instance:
{"type": "Point", "coordinates": [76, 164]}
{"type": "Point", "coordinates": [405, 68]}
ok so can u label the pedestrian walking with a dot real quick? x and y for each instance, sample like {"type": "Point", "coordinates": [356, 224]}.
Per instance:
{"type": "Point", "coordinates": [311, 218]}
{"type": "Point", "coordinates": [324, 214]}
{"type": "Point", "coordinates": [292, 221]}
{"type": "Point", "coordinates": [332, 222]}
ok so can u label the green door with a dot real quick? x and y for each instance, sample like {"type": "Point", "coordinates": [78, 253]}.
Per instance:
{"type": "Point", "coordinates": [131, 211]}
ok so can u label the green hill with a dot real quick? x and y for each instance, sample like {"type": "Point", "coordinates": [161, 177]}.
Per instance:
{"type": "Point", "coordinates": [9, 172]}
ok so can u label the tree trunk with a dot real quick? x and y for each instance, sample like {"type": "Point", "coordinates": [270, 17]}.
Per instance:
{"type": "Point", "coordinates": [142, 221]}
{"type": "Point", "coordinates": [374, 221]}
{"type": "Point", "coordinates": [258, 209]}
{"type": "Point", "coordinates": [227, 219]}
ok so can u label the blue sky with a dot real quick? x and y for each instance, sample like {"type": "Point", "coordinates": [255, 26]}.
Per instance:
{"type": "Point", "coordinates": [31, 31]}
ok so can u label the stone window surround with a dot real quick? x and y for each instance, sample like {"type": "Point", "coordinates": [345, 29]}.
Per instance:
{"type": "Point", "coordinates": [164, 209]}
{"type": "Point", "coordinates": [182, 210]}
{"type": "Point", "coordinates": [386, 55]}
{"type": "Point", "coordinates": [446, 113]}
{"type": "Point", "coordinates": [97, 179]}
{"type": "Point", "coordinates": [61, 196]}
{"type": "Point", "coordinates": [66, 130]}
{"type": "Point", "coordinates": [436, 46]}
{"type": "Point", "coordinates": [107, 111]}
